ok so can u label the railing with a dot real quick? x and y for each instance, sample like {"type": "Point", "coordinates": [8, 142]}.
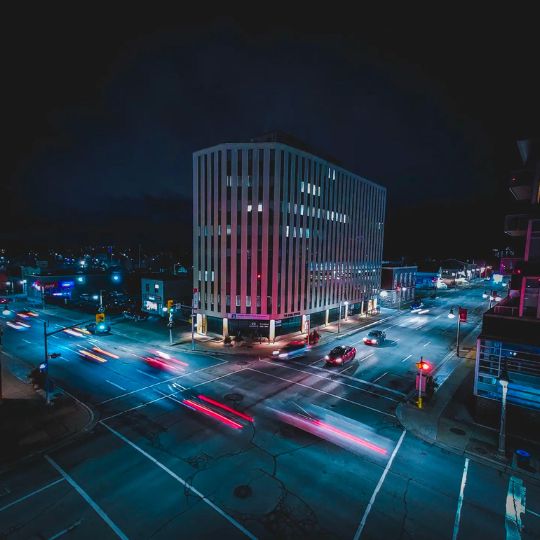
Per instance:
{"type": "Point", "coordinates": [508, 311]}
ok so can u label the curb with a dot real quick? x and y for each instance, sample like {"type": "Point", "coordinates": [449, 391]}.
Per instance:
{"type": "Point", "coordinates": [63, 441]}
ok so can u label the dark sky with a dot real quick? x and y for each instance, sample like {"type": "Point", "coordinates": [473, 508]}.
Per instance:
{"type": "Point", "coordinates": [103, 110]}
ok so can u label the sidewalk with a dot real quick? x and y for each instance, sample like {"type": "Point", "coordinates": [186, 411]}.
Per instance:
{"type": "Point", "coordinates": [214, 343]}
{"type": "Point", "coordinates": [27, 425]}
{"type": "Point", "coordinates": [447, 422]}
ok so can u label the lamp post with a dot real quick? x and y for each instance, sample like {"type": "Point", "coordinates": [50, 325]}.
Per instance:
{"type": "Point", "coordinates": [339, 319]}
{"type": "Point", "coordinates": [503, 381]}
{"type": "Point", "coordinates": [451, 315]}
{"type": "Point", "coordinates": [100, 309]}
{"type": "Point", "coordinates": [23, 282]}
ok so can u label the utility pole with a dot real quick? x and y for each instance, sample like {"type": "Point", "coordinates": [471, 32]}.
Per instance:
{"type": "Point", "coordinates": [457, 338]}
{"type": "Point", "coordinates": [46, 368]}
{"type": "Point", "coordinates": [1, 393]}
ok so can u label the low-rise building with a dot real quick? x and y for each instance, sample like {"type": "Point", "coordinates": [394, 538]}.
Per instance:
{"type": "Point", "coordinates": [157, 289]}
{"type": "Point", "coordinates": [398, 284]}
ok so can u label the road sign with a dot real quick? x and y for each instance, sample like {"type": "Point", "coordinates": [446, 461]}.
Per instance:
{"type": "Point", "coordinates": [100, 317]}
{"type": "Point", "coordinates": [462, 314]}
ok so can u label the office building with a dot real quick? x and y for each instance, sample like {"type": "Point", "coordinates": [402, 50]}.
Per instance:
{"type": "Point", "coordinates": [283, 238]}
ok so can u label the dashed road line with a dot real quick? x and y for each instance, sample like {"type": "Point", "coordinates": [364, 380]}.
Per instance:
{"type": "Point", "coordinates": [117, 385]}
{"type": "Point", "coordinates": [407, 357]}
{"type": "Point", "coordinates": [426, 344]}
{"type": "Point", "coordinates": [380, 376]}
{"type": "Point", "coordinates": [26, 341]}
{"type": "Point", "coordinates": [148, 374]}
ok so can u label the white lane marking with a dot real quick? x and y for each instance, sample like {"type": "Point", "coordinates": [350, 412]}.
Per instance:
{"type": "Point", "coordinates": [356, 379]}
{"type": "Point", "coordinates": [437, 317]}
{"type": "Point", "coordinates": [515, 507]}
{"type": "Point", "coordinates": [366, 357]}
{"type": "Point", "coordinates": [114, 384]}
{"type": "Point", "coordinates": [328, 377]}
{"type": "Point", "coordinates": [66, 530]}
{"type": "Point", "coordinates": [407, 357]}
{"type": "Point", "coordinates": [217, 378]}
{"type": "Point", "coordinates": [26, 341]}
{"type": "Point", "coordinates": [346, 369]}
{"type": "Point", "coordinates": [426, 344]}
{"type": "Point", "coordinates": [186, 485]}
{"type": "Point", "coordinates": [323, 392]}
{"type": "Point", "coordinates": [35, 492]}
{"type": "Point", "coordinates": [378, 487]}
{"type": "Point", "coordinates": [54, 337]}
{"type": "Point", "coordinates": [149, 374]}
{"type": "Point", "coordinates": [165, 396]}
{"type": "Point", "coordinates": [460, 499]}
{"type": "Point", "coordinates": [380, 377]}
{"type": "Point", "coordinates": [161, 382]}
{"type": "Point", "coordinates": [88, 499]}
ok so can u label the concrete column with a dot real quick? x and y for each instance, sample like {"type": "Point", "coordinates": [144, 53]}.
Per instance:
{"type": "Point", "coordinates": [326, 315]}
{"type": "Point", "coordinates": [272, 331]}
{"type": "Point", "coordinates": [225, 327]}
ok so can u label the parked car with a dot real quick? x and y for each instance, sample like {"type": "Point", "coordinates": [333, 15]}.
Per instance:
{"type": "Point", "coordinates": [375, 337]}
{"type": "Point", "coordinates": [339, 355]}
{"type": "Point", "coordinates": [136, 315]}
{"type": "Point", "coordinates": [417, 304]}
{"type": "Point", "coordinates": [293, 349]}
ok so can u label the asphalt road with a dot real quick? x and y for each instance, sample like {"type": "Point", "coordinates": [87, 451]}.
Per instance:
{"type": "Point", "coordinates": [314, 453]}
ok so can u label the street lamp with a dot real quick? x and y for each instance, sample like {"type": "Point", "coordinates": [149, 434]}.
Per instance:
{"type": "Point", "coordinates": [503, 381]}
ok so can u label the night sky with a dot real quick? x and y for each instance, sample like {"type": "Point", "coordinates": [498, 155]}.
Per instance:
{"type": "Point", "coordinates": [103, 110]}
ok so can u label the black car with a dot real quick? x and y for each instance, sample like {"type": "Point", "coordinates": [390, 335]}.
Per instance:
{"type": "Point", "coordinates": [416, 304]}
{"type": "Point", "coordinates": [98, 328]}
{"type": "Point", "coordinates": [375, 337]}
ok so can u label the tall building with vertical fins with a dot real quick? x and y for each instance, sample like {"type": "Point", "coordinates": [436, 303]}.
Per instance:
{"type": "Point", "coordinates": [284, 240]}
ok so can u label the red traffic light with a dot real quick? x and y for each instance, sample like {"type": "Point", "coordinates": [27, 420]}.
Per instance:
{"type": "Point", "coordinates": [462, 314]}
{"type": "Point", "coordinates": [258, 276]}
{"type": "Point", "coordinates": [423, 365]}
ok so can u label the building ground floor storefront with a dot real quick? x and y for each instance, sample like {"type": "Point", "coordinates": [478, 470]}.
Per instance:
{"type": "Point", "coordinates": [269, 327]}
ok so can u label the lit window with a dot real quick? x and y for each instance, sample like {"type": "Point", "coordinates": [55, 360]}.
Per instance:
{"type": "Point", "coordinates": [228, 229]}
{"type": "Point", "coordinates": [318, 212]}
{"type": "Point", "coordinates": [248, 301]}
{"type": "Point", "coordinates": [237, 300]}
{"type": "Point", "coordinates": [334, 174]}
{"type": "Point", "coordinates": [302, 187]}
{"type": "Point", "coordinates": [328, 214]}
{"type": "Point", "coordinates": [206, 275]}
{"type": "Point", "coordinates": [199, 275]}
{"type": "Point", "coordinates": [300, 231]}
{"type": "Point", "coordinates": [307, 233]}
{"type": "Point", "coordinates": [287, 231]}
{"type": "Point", "coordinates": [259, 207]}
{"type": "Point", "coordinates": [219, 229]}
{"type": "Point", "coordinates": [250, 207]}
{"type": "Point", "coordinates": [301, 209]}
{"type": "Point", "coordinates": [294, 232]}
{"type": "Point", "coordinates": [332, 216]}
{"type": "Point", "coordinates": [212, 275]}
{"type": "Point", "coordinates": [318, 190]}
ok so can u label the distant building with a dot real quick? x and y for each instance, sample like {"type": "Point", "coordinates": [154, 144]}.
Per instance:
{"type": "Point", "coordinates": [510, 337]}
{"type": "Point", "coordinates": [398, 284]}
{"type": "Point", "coordinates": [283, 238]}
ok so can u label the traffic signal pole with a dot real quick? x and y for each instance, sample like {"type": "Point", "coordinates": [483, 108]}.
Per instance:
{"type": "Point", "coordinates": [45, 345]}
{"type": "Point", "coordinates": [457, 338]}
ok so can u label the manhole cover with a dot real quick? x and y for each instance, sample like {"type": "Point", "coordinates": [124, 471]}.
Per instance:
{"type": "Point", "coordinates": [234, 397]}
{"type": "Point", "coordinates": [457, 431]}
{"type": "Point", "coordinates": [242, 492]}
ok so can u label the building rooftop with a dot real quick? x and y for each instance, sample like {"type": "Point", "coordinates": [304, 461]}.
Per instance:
{"type": "Point", "coordinates": [291, 140]}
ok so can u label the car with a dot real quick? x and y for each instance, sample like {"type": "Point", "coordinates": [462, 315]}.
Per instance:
{"type": "Point", "coordinates": [135, 315]}
{"type": "Point", "coordinates": [375, 337]}
{"type": "Point", "coordinates": [4, 300]}
{"type": "Point", "coordinates": [294, 349]}
{"type": "Point", "coordinates": [416, 304]}
{"type": "Point", "coordinates": [339, 355]}
{"type": "Point", "coordinates": [98, 328]}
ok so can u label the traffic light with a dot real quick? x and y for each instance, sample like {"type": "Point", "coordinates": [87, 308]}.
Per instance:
{"type": "Point", "coordinates": [462, 314]}
{"type": "Point", "coordinates": [100, 317]}
{"type": "Point", "coordinates": [423, 365]}
{"type": "Point", "coordinates": [170, 304]}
